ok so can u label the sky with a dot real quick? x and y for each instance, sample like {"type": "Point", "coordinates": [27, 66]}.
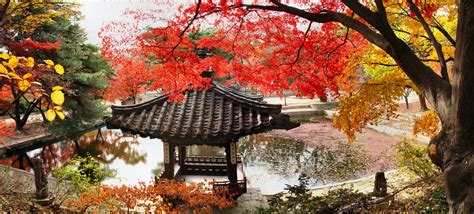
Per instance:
{"type": "Point", "coordinates": [97, 12]}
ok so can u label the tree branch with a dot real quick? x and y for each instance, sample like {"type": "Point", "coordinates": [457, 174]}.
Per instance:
{"type": "Point", "coordinates": [196, 13]}
{"type": "Point", "coordinates": [436, 45]}
{"type": "Point", "coordinates": [191, 21]}
{"type": "Point", "coordinates": [381, 9]}
{"type": "Point", "coordinates": [302, 44]}
{"type": "Point", "coordinates": [4, 12]}
{"type": "Point", "coordinates": [443, 31]}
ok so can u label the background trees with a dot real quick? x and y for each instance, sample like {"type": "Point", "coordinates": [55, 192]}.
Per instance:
{"type": "Point", "coordinates": [45, 30]}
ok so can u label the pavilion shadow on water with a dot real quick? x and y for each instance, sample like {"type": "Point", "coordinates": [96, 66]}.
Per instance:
{"type": "Point", "coordinates": [218, 116]}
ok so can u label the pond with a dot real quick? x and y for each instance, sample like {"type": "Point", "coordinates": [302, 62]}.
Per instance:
{"type": "Point", "coordinates": [270, 162]}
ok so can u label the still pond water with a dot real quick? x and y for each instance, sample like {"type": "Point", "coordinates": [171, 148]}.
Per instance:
{"type": "Point", "coordinates": [270, 162]}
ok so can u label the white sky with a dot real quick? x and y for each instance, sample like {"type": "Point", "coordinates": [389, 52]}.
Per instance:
{"type": "Point", "coordinates": [98, 12]}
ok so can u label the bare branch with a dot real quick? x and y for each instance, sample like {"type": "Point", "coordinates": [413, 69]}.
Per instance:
{"type": "Point", "coordinates": [409, 33]}
{"type": "Point", "coordinates": [191, 21]}
{"type": "Point", "coordinates": [340, 45]}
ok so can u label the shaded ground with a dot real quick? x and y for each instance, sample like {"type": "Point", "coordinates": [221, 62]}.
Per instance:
{"type": "Point", "coordinates": [378, 146]}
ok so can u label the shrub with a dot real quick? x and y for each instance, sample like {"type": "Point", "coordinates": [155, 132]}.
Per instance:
{"type": "Point", "coordinates": [300, 200]}
{"type": "Point", "coordinates": [414, 159]}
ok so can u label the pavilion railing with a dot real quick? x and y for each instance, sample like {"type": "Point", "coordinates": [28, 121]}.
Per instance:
{"type": "Point", "coordinates": [198, 159]}
{"type": "Point", "coordinates": [235, 188]}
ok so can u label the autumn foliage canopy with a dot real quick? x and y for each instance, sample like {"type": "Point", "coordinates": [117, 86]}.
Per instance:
{"type": "Point", "coordinates": [261, 49]}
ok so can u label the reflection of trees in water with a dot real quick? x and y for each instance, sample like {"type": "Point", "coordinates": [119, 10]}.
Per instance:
{"type": "Point", "coordinates": [287, 157]}
{"type": "Point", "coordinates": [279, 155]}
{"type": "Point", "coordinates": [108, 145]}
{"type": "Point", "coordinates": [105, 145]}
{"type": "Point", "coordinates": [159, 168]}
{"type": "Point", "coordinates": [50, 154]}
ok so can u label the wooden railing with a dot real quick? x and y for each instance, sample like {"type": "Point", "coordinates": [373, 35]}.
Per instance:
{"type": "Point", "coordinates": [207, 159]}
{"type": "Point", "coordinates": [235, 188]}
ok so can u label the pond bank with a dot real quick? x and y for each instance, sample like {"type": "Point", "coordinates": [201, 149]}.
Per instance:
{"type": "Point", "coordinates": [37, 137]}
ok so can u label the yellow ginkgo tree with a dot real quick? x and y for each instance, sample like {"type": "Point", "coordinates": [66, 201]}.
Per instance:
{"type": "Point", "coordinates": [27, 86]}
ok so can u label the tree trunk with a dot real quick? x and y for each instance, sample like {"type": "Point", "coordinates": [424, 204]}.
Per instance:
{"type": "Point", "coordinates": [406, 102]}
{"type": "Point", "coordinates": [423, 106]}
{"type": "Point", "coordinates": [456, 142]}
{"type": "Point", "coordinates": [41, 180]}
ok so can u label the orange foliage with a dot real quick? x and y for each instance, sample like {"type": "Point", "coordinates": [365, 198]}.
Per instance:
{"type": "Point", "coordinates": [166, 196]}
{"type": "Point", "coordinates": [5, 131]}
{"type": "Point", "coordinates": [374, 100]}
{"type": "Point", "coordinates": [428, 124]}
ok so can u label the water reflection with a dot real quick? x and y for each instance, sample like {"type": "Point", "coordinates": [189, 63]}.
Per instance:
{"type": "Point", "coordinates": [134, 158]}
{"type": "Point", "coordinates": [273, 162]}
{"type": "Point", "coordinates": [270, 162]}
{"type": "Point", "coordinates": [109, 145]}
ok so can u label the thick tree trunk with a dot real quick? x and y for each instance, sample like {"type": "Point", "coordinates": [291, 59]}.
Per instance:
{"type": "Point", "coordinates": [458, 144]}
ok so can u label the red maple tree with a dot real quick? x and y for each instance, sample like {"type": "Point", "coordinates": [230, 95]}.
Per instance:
{"type": "Point", "coordinates": [132, 78]}
{"type": "Point", "coordinates": [268, 51]}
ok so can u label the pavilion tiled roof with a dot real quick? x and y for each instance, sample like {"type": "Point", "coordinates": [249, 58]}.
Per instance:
{"type": "Point", "coordinates": [208, 116]}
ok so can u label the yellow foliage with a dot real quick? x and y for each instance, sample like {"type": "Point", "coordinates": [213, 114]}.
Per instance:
{"type": "Point", "coordinates": [12, 63]}
{"type": "Point", "coordinates": [19, 72]}
{"type": "Point", "coordinates": [57, 97]}
{"type": "Point", "coordinates": [30, 62]}
{"type": "Point", "coordinates": [428, 124]}
{"type": "Point", "coordinates": [59, 69]}
{"type": "Point", "coordinates": [23, 85]}
{"type": "Point", "coordinates": [49, 62]}
{"type": "Point", "coordinates": [50, 115]}
{"type": "Point", "coordinates": [3, 70]}
{"type": "Point", "coordinates": [374, 99]}
{"type": "Point", "coordinates": [4, 56]}
{"type": "Point", "coordinates": [33, 13]}
{"type": "Point", "coordinates": [57, 88]}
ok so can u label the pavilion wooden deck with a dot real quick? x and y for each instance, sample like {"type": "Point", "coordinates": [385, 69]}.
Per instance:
{"type": "Point", "coordinates": [212, 165]}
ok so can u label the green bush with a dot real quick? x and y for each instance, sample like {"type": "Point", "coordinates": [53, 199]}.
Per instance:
{"type": "Point", "coordinates": [82, 173]}
{"type": "Point", "coordinates": [300, 200]}
{"type": "Point", "coordinates": [435, 201]}
{"type": "Point", "coordinates": [414, 159]}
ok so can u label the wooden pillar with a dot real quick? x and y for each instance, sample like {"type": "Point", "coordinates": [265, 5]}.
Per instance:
{"type": "Point", "coordinates": [41, 180]}
{"type": "Point", "coordinates": [168, 149]}
{"type": "Point", "coordinates": [231, 158]}
{"type": "Point", "coordinates": [182, 155]}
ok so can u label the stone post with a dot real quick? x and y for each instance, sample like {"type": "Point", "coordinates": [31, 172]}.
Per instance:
{"type": "Point", "coordinates": [380, 186]}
